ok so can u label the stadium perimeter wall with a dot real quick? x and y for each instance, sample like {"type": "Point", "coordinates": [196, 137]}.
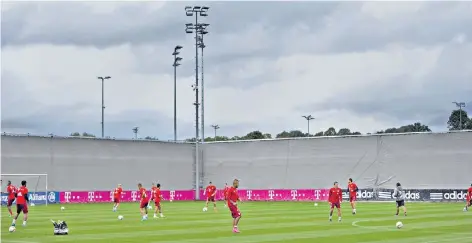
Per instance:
{"type": "Point", "coordinates": [82, 164]}
{"type": "Point", "coordinates": [419, 161]}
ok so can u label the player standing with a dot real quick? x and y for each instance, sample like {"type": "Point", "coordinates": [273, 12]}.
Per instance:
{"type": "Point", "coordinates": [469, 199]}
{"type": "Point", "coordinates": [11, 190]}
{"type": "Point", "coordinates": [335, 198]}
{"type": "Point", "coordinates": [144, 201]}
{"type": "Point", "coordinates": [352, 188]}
{"type": "Point", "coordinates": [225, 193]}
{"type": "Point", "coordinates": [233, 199]}
{"type": "Point", "coordinates": [399, 196]}
{"type": "Point", "coordinates": [117, 197]}
{"type": "Point", "coordinates": [157, 197]}
{"type": "Point", "coordinates": [21, 203]}
{"type": "Point", "coordinates": [211, 192]}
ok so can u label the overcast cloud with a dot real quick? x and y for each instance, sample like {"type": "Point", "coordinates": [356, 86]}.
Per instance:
{"type": "Point", "coordinates": [365, 66]}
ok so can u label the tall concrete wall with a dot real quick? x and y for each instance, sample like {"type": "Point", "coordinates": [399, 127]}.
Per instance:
{"type": "Point", "coordinates": [86, 164]}
{"type": "Point", "coordinates": [417, 160]}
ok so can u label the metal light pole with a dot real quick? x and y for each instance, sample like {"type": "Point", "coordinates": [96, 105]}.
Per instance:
{"type": "Point", "coordinates": [175, 65]}
{"type": "Point", "coordinates": [308, 119]}
{"type": "Point", "coordinates": [202, 31]}
{"type": "Point", "coordinates": [216, 127]}
{"type": "Point", "coordinates": [103, 103]}
{"type": "Point", "coordinates": [135, 131]}
{"type": "Point", "coordinates": [460, 105]}
{"type": "Point", "coordinates": [190, 28]}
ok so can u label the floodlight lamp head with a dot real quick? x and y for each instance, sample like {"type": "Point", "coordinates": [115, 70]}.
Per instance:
{"type": "Point", "coordinates": [196, 8]}
{"type": "Point", "coordinates": [178, 48]}
{"type": "Point", "coordinates": [188, 11]}
{"type": "Point", "coordinates": [175, 53]}
{"type": "Point", "coordinates": [107, 77]}
{"type": "Point", "coordinates": [188, 31]}
{"type": "Point", "coordinates": [178, 59]}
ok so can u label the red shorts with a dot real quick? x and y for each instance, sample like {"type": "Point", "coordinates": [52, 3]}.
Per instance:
{"type": "Point", "coordinates": [157, 203]}
{"type": "Point", "coordinates": [143, 204]}
{"type": "Point", "coordinates": [211, 199]}
{"type": "Point", "coordinates": [234, 211]}
{"type": "Point", "coordinates": [337, 205]}
{"type": "Point", "coordinates": [353, 198]}
{"type": "Point", "coordinates": [22, 208]}
{"type": "Point", "coordinates": [116, 200]}
{"type": "Point", "coordinates": [10, 202]}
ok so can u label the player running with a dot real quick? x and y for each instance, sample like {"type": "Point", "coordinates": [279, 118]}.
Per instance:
{"type": "Point", "coordinates": [225, 194]}
{"type": "Point", "coordinates": [117, 197]}
{"type": "Point", "coordinates": [211, 193]}
{"type": "Point", "coordinates": [352, 189]}
{"type": "Point", "coordinates": [144, 201]}
{"type": "Point", "coordinates": [469, 199]}
{"type": "Point", "coordinates": [21, 203]}
{"type": "Point", "coordinates": [335, 198]}
{"type": "Point", "coordinates": [11, 190]}
{"type": "Point", "coordinates": [399, 196]}
{"type": "Point", "coordinates": [233, 199]}
{"type": "Point", "coordinates": [157, 197]}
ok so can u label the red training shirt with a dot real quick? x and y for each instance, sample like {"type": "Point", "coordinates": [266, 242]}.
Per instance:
{"type": "Point", "coordinates": [20, 195]}
{"type": "Point", "coordinates": [11, 189]}
{"type": "Point", "coordinates": [335, 195]}
{"type": "Point", "coordinates": [117, 192]}
{"type": "Point", "coordinates": [470, 193]}
{"type": "Point", "coordinates": [210, 190]}
{"type": "Point", "coordinates": [225, 192]}
{"type": "Point", "coordinates": [352, 189]}
{"type": "Point", "coordinates": [233, 196]}
{"type": "Point", "coordinates": [156, 194]}
{"type": "Point", "coordinates": [142, 194]}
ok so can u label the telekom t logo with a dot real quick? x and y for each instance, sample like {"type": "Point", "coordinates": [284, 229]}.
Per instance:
{"type": "Point", "coordinates": [172, 195]}
{"type": "Point", "coordinates": [134, 195]}
{"type": "Point", "coordinates": [111, 196]}
{"type": "Point", "coordinates": [67, 196]}
{"type": "Point", "coordinates": [317, 194]}
{"type": "Point", "coordinates": [271, 194]}
{"type": "Point", "coordinates": [294, 194]}
{"type": "Point", "coordinates": [249, 194]}
{"type": "Point", "coordinates": [91, 195]}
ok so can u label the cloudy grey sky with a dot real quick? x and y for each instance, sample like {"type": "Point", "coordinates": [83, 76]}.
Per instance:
{"type": "Point", "coordinates": [365, 66]}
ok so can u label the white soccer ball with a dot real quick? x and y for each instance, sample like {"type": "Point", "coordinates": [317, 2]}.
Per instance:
{"type": "Point", "coordinates": [12, 229]}
{"type": "Point", "coordinates": [399, 225]}
{"type": "Point", "coordinates": [149, 207]}
{"type": "Point", "coordinates": [63, 208]}
{"type": "Point", "coordinates": [316, 204]}
{"type": "Point", "coordinates": [171, 200]}
{"type": "Point", "coordinates": [32, 204]}
{"type": "Point", "coordinates": [205, 209]}
{"type": "Point", "coordinates": [120, 217]}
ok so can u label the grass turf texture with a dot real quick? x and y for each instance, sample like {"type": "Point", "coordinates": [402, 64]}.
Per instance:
{"type": "Point", "coordinates": [261, 222]}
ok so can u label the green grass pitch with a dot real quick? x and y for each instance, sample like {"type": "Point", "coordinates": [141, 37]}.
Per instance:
{"type": "Point", "coordinates": [261, 222]}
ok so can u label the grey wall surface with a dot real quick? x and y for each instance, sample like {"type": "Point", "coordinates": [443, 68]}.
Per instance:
{"type": "Point", "coordinates": [95, 164]}
{"type": "Point", "coordinates": [417, 160]}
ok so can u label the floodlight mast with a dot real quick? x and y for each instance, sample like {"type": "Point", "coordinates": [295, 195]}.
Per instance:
{"type": "Point", "coordinates": [175, 65]}
{"type": "Point", "coordinates": [190, 28]}
{"type": "Point", "coordinates": [460, 105]}
{"type": "Point", "coordinates": [308, 119]}
{"type": "Point", "coordinates": [103, 103]}
{"type": "Point", "coordinates": [216, 127]}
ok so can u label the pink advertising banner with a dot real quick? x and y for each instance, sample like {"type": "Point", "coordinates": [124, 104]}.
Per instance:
{"type": "Point", "coordinates": [189, 195]}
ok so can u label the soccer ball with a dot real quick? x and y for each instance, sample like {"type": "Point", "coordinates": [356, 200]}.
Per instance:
{"type": "Point", "coordinates": [149, 207]}
{"type": "Point", "coordinates": [32, 204]}
{"type": "Point", "coordinates": [205, 209]}
{"type": "Point", "coordinates": [62, 208]}
{"type": "Point", "coordinates": [12, 229]}
{"type": "Point", "coordinates": [120, 217]}
{"type": "Point", "coordinates": [171, 200]}
{"type": "Point", "coordinates": [399, 225]}
{"type": "Point", "coordinates": [316, 204]}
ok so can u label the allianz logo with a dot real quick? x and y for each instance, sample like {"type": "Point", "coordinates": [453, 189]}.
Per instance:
{"type": "Point", "coordinates": [37, 197]}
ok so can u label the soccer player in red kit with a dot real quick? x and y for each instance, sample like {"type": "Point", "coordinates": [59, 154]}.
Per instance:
{"type": "Point", "coordinates": [335, 199]}
{"type": "Point", "coordinates": [211, 193]}
{"type": "Point", "coordinates": [352, 189]}
{"type": "Point", "coordinates": [117, 197]}
{"type": "Point", "coordinates": [157, 197]}
{"type": "Point", "coordinates": [225, 193]}
{"type": "Point", "coordinates": [469, 199]}
{"type": "Point", "coordinates": [233, 199]}
{"type": "Point", "coordinates": [11, 190]}
{"type": "Point", "coordinates": [143, 202]}
{"type": "Point", "coordinates": [21, 203]}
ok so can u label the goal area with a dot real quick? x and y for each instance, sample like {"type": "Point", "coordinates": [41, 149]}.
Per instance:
{"type": "Point", "coordinates": [37, 187]}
